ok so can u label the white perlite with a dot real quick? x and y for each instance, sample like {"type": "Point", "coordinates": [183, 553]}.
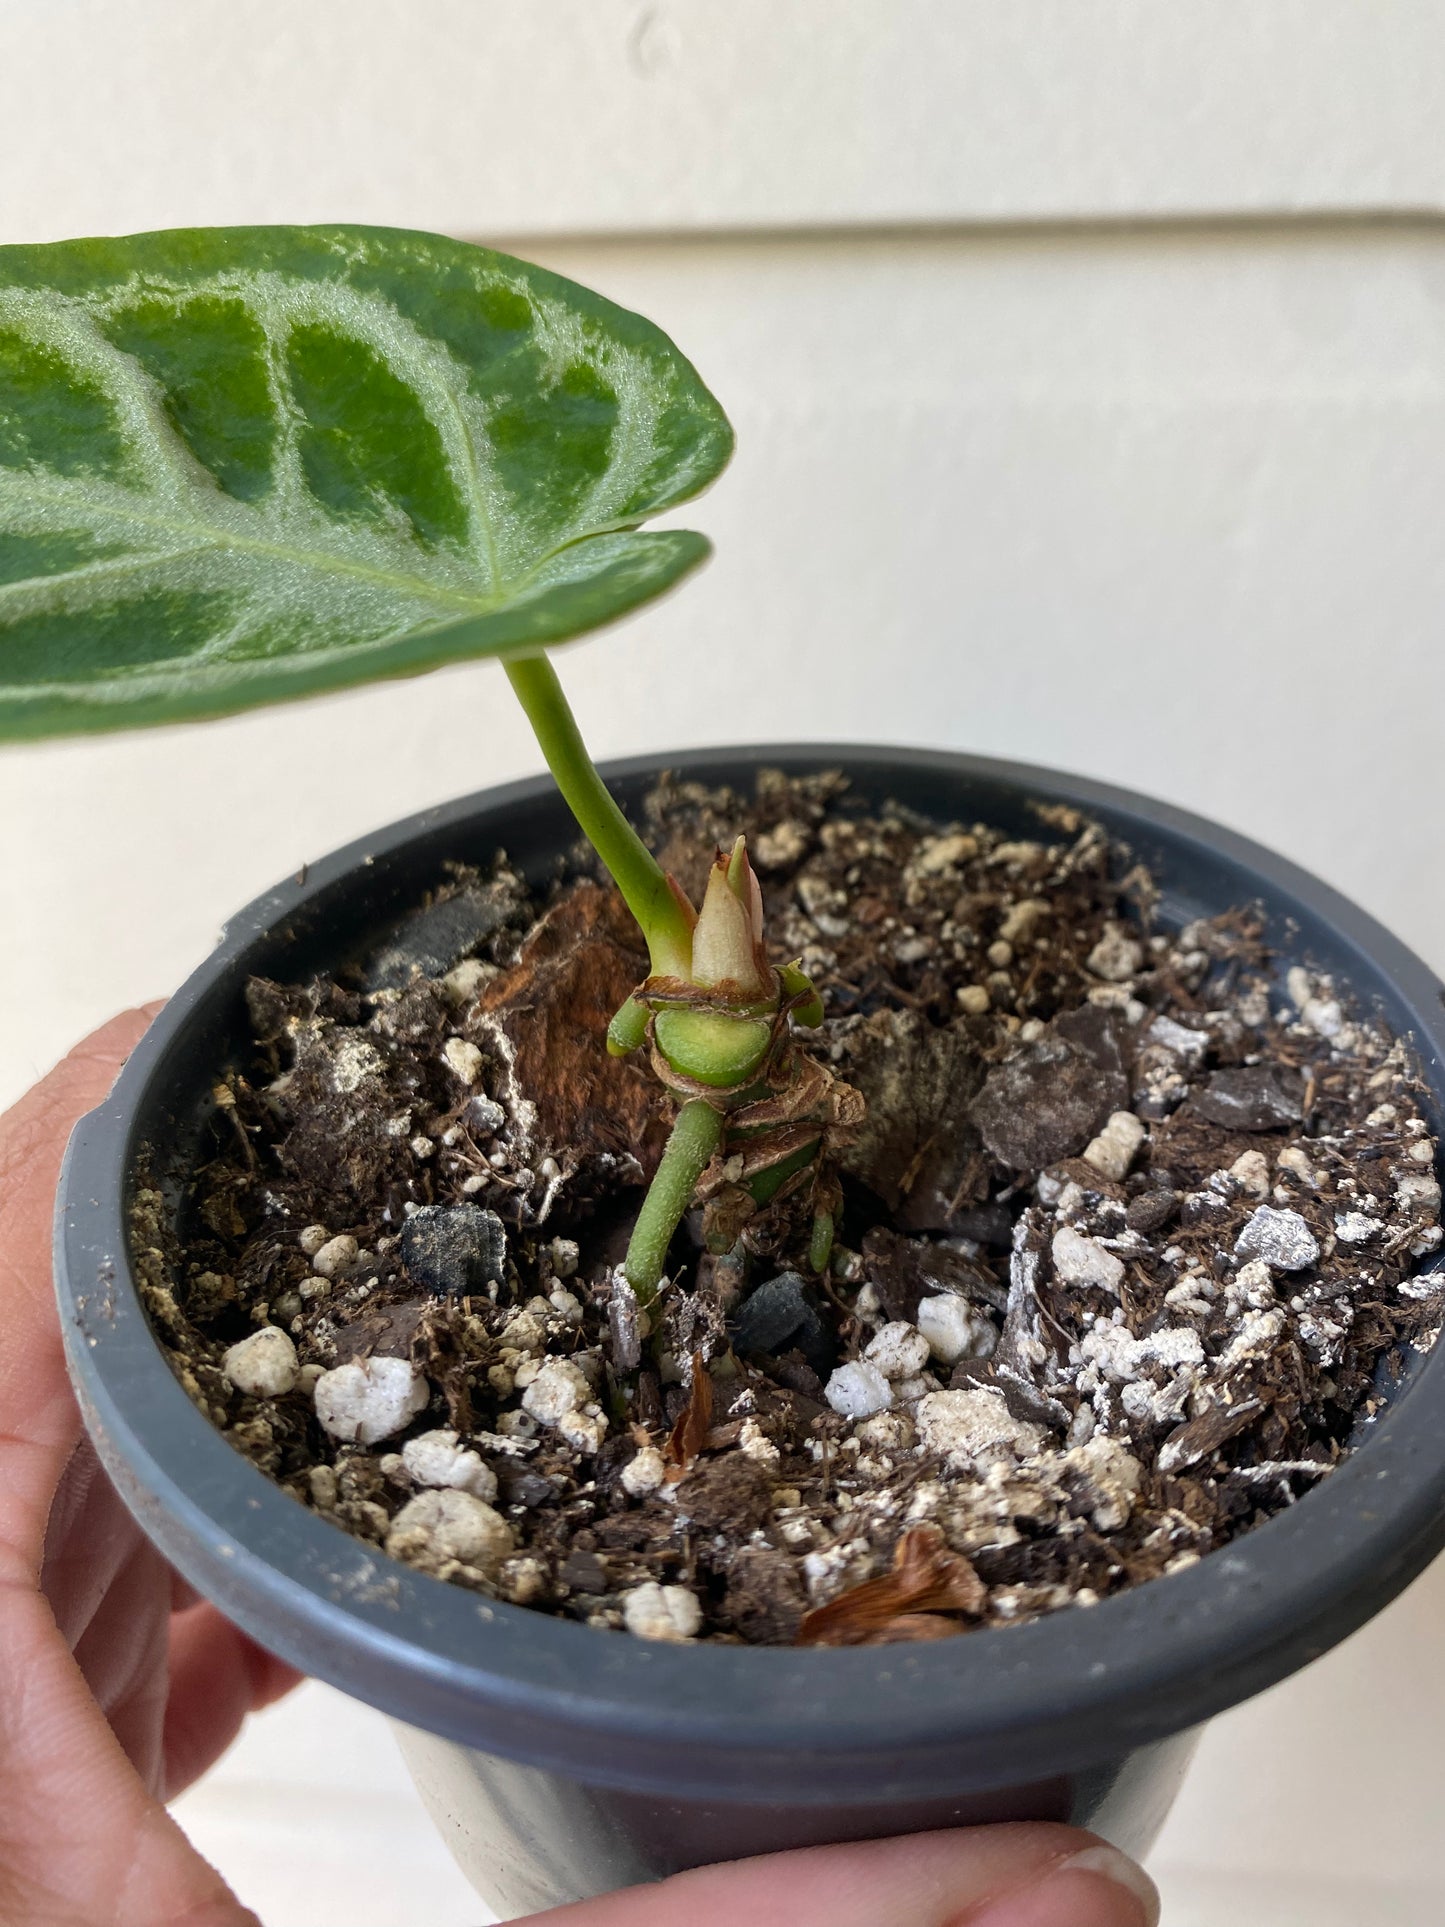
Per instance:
{"type": "Point", "coordinates": [1255, 1338]}
{"type": "Point", "coordinates": [560, 1387]}
{"type": "Point", "coordinates": [560, 1396]}
{"type": "Point", "coordinates": [440, 1459]}
{"type": "Point", "coordinates": [1107, 1476]}
{"type": "Point", "coordinates": [1080, 1261]}
{"type": "Point", "coordinates": [899, 1351]}
{"type": "Point", "coordinates": [263, 1365]}
{"type": "Point", "coordinates": [463, 982]}
{"type": "Point", "coordinates": [964, 1427]}
{"type": "Point", "coordinates": [1253, 1286]}
{"type": "Point", "coordinates": [1115, 957]}
{"type": "Point", "coordinates": [661, 1612]}
{"type": "Point", "coordinates": [935, 854]}
{"type": "Point", "coordinates": [1186, 1044]}
{"type": "Point", "coordinates": [336, 1257]}
{"type": "Point", "coordinates": [1354, 1227]}
{"type": "Point", "coordinates": [1121, 1356]}
{"type": "Point", "coordinates": [754, 1444]}
{"type": "Point", "coordinates": [644, 1472]}
{"type": "Point", "coordinates": [1317, 1008]}
{"type": "Point", "coordinates": [858, 1390]}
{"type": "Point", "coordinates": [1114, 1149]}
{"type": "Point", "coordinates": [955, 1329]}
{"type": "Point", "coordinates": [1324, 1016]}
{"type": "Point", "coordinates": [1300, 985]}
{"type": "Point", "coordinates": [440, 1526]}
{"type": "Point", "coordinates": [1023, 919]}
{"type": "Point", "coordinates": [369, 1399]}
{"type": "Point", "coordinates": [1251, 1168]}
{"type": "Point", "coordinates": [524, 1332]}
{"type": "Point", "coordinates": [1296, 1161]}
{"type": "Point", "coordinates": [1281, 1238]}
{"type": "Point", "coordinates": [1418, 1191]}
{"type": "Point", "coordinates": [566, 1255]}
{"type": "Point", "coordinates": [462, 1059]}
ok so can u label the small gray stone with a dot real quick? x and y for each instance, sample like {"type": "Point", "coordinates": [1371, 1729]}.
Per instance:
{"type": "Point", "coordinates": [484, 1116]}
{"type": "Point", "coordinates": [783, 1315]}
{"type": "Point", "coordinates": [1181, 1040]}
{"type": "Point", "coordinates": [454, 1249]}
{"type": "Point", "coordinates": [1281, 1238]}
{"type": "Point", "coordinates": [1151, 1211]}
{"type": "Point", "coordinates": [432, 941]}
{"type": "Point", "coordinates": [1256, 1097]}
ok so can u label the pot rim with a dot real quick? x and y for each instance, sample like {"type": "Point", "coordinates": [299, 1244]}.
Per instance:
{"type": "Point", "coordinates": [1064, 1692]}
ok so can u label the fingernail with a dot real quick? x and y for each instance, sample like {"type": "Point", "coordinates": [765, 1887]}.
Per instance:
{"type": "Point", "coordinates": [1099, 1887]}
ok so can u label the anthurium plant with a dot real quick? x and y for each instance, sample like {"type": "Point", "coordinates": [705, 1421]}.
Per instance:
{"type": "Point", "coordinates": [244, 465]}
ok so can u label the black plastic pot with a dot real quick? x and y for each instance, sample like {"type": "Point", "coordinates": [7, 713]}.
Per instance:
{"type": "Point", "coordinates": [562, 1761]}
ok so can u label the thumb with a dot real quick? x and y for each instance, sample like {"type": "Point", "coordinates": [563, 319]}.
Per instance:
{"type": "Point", "coordinates": [1001, 1876]}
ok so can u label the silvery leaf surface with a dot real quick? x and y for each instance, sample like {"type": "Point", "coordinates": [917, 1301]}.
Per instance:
{"type": "Point", "coordinates": [240, 465]}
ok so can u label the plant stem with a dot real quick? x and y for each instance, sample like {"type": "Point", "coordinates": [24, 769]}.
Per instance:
{"type": "Point", "coordinates": [820, 1246]}
{"type": "Point", "coordinates": [695, 1135]}
{"type": "Point", "coordinates": [630, 863]}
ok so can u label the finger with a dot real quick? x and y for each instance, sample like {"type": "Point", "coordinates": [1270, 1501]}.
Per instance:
{"type": "Point", "coordinates": [81, 1840]}
{"type": "Point", "coordinates": [122, 1659]}
{"type": "Point", "coordinates": [217, 1677]}
{"type": "Point", "coordinates": [88, 1538]}
{"type": "Point", "coordinates": [40, 1422]}
{"type": "Point", "coordinates": [183, 1594]}
{"type": "Point", "coordinates": [1006, 1876]}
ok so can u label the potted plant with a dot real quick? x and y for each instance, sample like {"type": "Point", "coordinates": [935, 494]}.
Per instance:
{"type": "Point", "coordinates": [1091, 1235]}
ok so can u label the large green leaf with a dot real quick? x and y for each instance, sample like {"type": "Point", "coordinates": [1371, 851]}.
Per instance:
{"type": "Point", "coordinates": [243, 464]}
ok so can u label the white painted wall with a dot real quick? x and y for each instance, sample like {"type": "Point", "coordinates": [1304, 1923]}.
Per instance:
{"type": "Point", "coordinates": [583, 116]}
{"type": "Point", "coordinates": [1043, 450]}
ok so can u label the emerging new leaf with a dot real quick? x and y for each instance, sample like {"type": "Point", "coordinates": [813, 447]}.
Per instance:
{"type": "Point", "coordinates": [727, 942]}
{"type": "Point", "coordinates": [238, 465]}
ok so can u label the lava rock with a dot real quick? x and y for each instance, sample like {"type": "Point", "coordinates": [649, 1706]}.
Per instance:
{"type": "Point", "coordinates": [1151, 1211]}
{"type": "Point", "coordinates": [1256, 1097]}
{"type": "Point", "coordinates": [784, 1314]}
{"type": "Point", "coordinates": [986, 1224]}
{"type": "Point", "coordinates": [453, 1249]}
{"type": "Point", "coordinates": [432, 941]}
{"type": "Point", "coordinates": [519, 1485]}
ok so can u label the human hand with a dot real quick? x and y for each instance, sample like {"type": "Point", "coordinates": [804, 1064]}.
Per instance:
{"type": "Point", "coordinates": [118, 1687]}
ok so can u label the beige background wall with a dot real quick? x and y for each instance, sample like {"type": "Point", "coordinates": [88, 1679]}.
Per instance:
{"type": "Point", "coordinates": [1088, 363]}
